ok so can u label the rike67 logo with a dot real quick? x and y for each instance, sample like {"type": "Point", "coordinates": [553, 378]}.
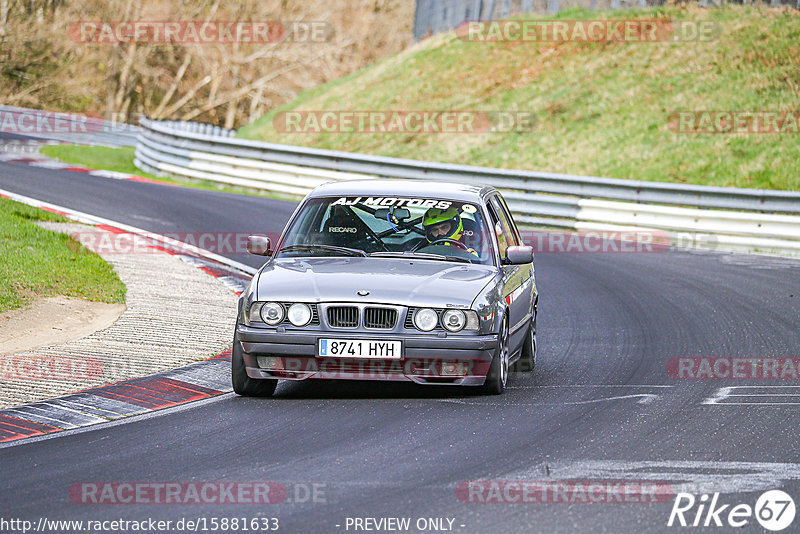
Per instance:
{"type": "Point", "coordinates": [774, 510]}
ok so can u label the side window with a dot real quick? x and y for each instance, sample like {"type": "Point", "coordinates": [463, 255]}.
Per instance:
{"type": "Point", "coordinates": [510, 220]}
{"type": "Point", "coordinates": [494, 226]}
{"type": "Point", "coordinates": [308, 226]}
{"type": "Point", "coordinates": [502, 226]}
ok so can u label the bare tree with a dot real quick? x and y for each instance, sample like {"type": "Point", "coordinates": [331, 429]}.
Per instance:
{"type": "Point", "coordinates": [46, 66]}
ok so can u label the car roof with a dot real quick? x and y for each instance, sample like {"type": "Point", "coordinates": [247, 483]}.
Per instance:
{"type": "Point", "coordinates": [403, 188]}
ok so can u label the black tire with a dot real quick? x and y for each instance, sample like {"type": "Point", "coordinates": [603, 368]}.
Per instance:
{"type": "Point", "coordinates": [527, 360]}
{"type": "Point", "coordinates": [498, 371]}
{"type": "Point", "coordinates": [243, 384]}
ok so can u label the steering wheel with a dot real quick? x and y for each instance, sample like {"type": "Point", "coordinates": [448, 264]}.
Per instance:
{"type": "Point", "coordinates": [441, 240]}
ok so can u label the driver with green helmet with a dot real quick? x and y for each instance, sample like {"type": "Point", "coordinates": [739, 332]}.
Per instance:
{"type": "Point", "coordinates": [443, 224]}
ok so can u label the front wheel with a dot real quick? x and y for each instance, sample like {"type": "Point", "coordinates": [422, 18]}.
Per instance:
{"type": "Point", "coordinates": [527, 360]}
{"type": "Point", "coordinates": [498, 371]}
{"type": "Point", "coordinates": [243, 384]}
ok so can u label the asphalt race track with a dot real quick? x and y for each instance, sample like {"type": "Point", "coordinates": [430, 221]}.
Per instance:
{"type": "Point", "coordinates": [600, 405]}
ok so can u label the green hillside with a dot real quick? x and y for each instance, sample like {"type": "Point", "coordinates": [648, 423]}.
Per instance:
{"type": "Point", "coordinates": [600, 108]}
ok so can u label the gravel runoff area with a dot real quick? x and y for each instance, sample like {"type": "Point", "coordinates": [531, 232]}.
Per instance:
{"type": "Point", "coordinates": [176, 314]}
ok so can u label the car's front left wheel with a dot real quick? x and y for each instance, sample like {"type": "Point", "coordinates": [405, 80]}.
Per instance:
{"type": "Point", "coordinates": [498, 371]}
{"type": "Point", "coordinates": [527, 360]}
{"type": "Point", "coordinates": [243, 384]}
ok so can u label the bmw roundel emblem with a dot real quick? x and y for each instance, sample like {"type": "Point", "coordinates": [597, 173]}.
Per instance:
{"type": "Point", "coordinates": [363, 293]}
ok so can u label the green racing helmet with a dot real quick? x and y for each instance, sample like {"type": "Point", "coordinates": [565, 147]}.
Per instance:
{"type": "Point", "coordinates": [436, 216]}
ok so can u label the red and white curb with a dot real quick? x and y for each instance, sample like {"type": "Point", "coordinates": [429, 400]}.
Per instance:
{"type": "Point", "coordinates": [115, 401]}
{"type": "Point", "coordinates": [136, 396]}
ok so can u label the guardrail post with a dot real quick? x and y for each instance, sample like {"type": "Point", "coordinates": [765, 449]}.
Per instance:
{"type": "Point", "coordinates": [474, 11]}
{"type": "Point", "coordinates": [489, 12]}
{"type": "Point", "coordinates": [421, 19]}
{"type": "Point", "coordinates": [505, 9]}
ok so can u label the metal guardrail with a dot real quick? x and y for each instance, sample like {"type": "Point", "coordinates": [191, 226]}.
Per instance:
{"type": "Point", "coordinates": [747, 219]}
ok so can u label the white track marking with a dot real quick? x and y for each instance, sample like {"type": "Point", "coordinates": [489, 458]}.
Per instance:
{"type": "Point", "coordinates": [684, 476]}
{"type": "Point", "coordinates": [111, 174]}
{"type": "Point", "coordinates": [749, 395]}
{"type": "Point", "coordinates": [644, 398]}
{"type": "Point", "coordinates": [49, 164]}
{"type": "Point", "coordinates": [590, 386]}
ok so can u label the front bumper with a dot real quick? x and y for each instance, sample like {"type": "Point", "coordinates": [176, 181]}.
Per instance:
{"type": "Point", "coordinates": [435, 358]}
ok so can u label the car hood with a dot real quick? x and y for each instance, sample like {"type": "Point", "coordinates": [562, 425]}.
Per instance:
{"type": "Point", "coordinates": [408, 282]}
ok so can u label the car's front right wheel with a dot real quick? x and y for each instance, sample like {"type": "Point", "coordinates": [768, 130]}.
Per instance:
{"type": "Point", "coordinates": [243, 384]}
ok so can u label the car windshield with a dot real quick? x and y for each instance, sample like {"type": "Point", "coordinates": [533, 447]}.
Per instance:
{"type": "Point", "coordinates": [433, 229]}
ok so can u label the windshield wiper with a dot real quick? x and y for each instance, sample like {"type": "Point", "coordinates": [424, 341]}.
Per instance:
{"type": "Point", "coordinates": [341, 250]}
{"type": "Point", "coordinates": [420, 255]}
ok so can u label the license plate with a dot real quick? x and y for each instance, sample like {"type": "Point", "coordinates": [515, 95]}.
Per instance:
{"type": "Point", "coordinates": [359, 348]}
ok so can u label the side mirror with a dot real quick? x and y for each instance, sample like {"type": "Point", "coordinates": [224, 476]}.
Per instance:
{"type": "Point", "coordinates": [258, 245]}
{"type": "Point", "coordinates": [519, 255]}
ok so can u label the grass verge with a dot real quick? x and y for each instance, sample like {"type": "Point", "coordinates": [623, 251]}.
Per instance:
{"type": "Point", "coordinates": [601, 109]}
{"type": "Point", "coordinates": [35, 262]}
{"type": "Point", "coordinates": [97, 157]}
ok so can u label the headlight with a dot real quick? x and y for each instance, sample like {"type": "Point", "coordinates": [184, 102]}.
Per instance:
{"type": "Point", "coordinates": [299, 314]}
{"type": "Point", "coordinates": [272, 313]}
{"type": "Point", "coordinates": [426, 319]}
{"type": "Point", "coordinates": [454, 320]}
